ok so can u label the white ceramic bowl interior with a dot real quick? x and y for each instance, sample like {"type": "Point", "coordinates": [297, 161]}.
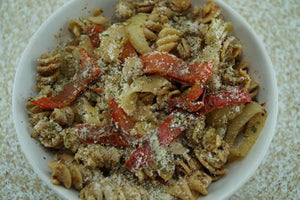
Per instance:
{"type": "Point", "coordinates": [44, 40]}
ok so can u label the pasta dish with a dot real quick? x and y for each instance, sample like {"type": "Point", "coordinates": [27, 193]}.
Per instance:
{"type": "Point", "coordinates": [152, 103]}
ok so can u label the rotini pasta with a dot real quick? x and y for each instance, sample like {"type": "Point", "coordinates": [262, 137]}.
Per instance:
{"type": "Point", "coordinates": [63, 116]}
{"type": "Point", "coordinates": [144, 7]}
{"type": "Point", "coordinates": [77, 27]}
{"type": "Point", "coordinates": [180, 5]}
{"type": "Point", "coordinates": [107, 190]}
{"type": "Point", "coordinates": [153, 105]}
{"type": "Point", "coordinates": [168, 39]}
{"type": "Point", "coordinates": [153, 25]}
{"type": "Point", "coordinates": [181, 190]}
{"type": "Point", "coordinates": [189, 187]}
{"type": "Point", "coordinates": [214, 152]}
{"type": "Point", "coordinates": [124, 9]}
{"type": "Point", "coordinates": [195, 133]}
{"type": "Point", "coordinates": [208, 13]}
{"type": "Point", "coordinates": [48, 70]}
{"type": "Point", "coordinates": [65, 171]}
{"type": "Point", "coordinates": [71, 140]}
{"type": "Point", "coordinates": [186, 165]}
{"type": "Point", "coordinates": [94, 156]}
{"type": "Point", "coordinates": [48, 133]}
{"type": "Point", "coordinates": [253, 88]}
{"type": "Point", "coordinates": [162, 8]}
{"type": "Point", "coordinates": [36, 114]}
{"type": "Point", "coordinates": [80, 26]}
{"type": "Point", "coordinates": [183, 49]}
{"type": "Point", "coordinates": [199, 181]}
{"type": "Point", "coordinates": [185, 188]}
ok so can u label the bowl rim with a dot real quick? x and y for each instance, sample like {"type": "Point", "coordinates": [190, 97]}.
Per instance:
{"type": "Point", "coordinates": [238, 184]}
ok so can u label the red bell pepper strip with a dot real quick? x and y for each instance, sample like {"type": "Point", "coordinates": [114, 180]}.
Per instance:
{"type": "Point", "coordinates": [93, 33]}
{"type": "Point", "coordinates": [128, 51]}
{"type": "Point", "coordinates": [195, 92]}
{"type": "Point", "coordinates": [188, 101]}
{"type": "Point", "coordinates": [168, 130]}
{"type": "Point", "coordinates": [89, 72]}
{"type": "Point", "coordinates": [140, 158]}
{"type": "Point", "coordinates": [203, 71]}
{"type": "Point", "coordinates": [93, 134]}
{"type": "Point", "coordinates": [223, 98]}
{"type": "Point", "coordinates": [121, 119]}
{"type": "Point", "coordinates": [170, 66]}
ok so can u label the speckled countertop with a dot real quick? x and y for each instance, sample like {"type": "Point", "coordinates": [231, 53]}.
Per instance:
{"type": "Point", "coordinates": [277, 23]}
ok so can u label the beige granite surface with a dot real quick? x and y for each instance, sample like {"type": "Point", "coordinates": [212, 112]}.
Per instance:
{"type": "Point", "coordinates": [277, 23]}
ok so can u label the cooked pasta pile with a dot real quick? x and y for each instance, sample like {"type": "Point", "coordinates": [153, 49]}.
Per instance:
{"type": "Point", "coordinates": [152, 105]}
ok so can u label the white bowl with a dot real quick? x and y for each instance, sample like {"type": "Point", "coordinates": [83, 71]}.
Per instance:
{"type": "Point", "coordinates": [44, 40]}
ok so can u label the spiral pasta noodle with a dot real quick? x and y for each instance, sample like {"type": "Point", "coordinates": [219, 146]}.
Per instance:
{"type": "Point", "coordinates": [243, 72]}
{"type": "Point", "coordinates": [214, 153]}
{"type": "Point", "coordinates": [67, 172]}
{"type": "Point", "coordinates": [185, 187]}
{"type": "Point", "coordinates": [225, 47]}
{"type": "Point", "coordinates": [48, 70]}
{"type": "Point", "coordinates": [144, 7]}
{"type": "Point", "coordinates": [199, 181]}
{"type": "Point", "coordinates": [156, 20]}
{"type": "Point", "coordinates": [180, 5]}
{"type": "Point", "coordinates": [231, 51]}
{"type": "Point", "coordinates": [186, 165]}
{"type": "Point", "coordinates": [63, 116]}
{"type": "Point", "coordinates": [124, 9]}
{"type": "Point", "coordinates": [153, 25]}
{"type": "Point", "coordinates": [196, 133]}
{"type": "Point", "coordinates": [162, 8]}
{"type": "Point", "coordinates": [106, 190]}
{"type": "Point", "coordinates": [168, 39]}
{"type": "Point", "coordinates": [96, 156]}
{"type": "Point", "coordinates": [235, 77]}
{"type": "Point", "coordinates": [206, 15]}
{"type": "Point", "coordinates": [36, 114]}
{"type": "Point", "coordinates": [80, 26]}
{"type": "Point", "coordinates": [48, 133]}
{"type": "Point", "coordinates": [71, 140]}
{"type": "Point", "coordinates": [253, 88]}
{"type": "Point", "coordinates": [145, 174]}
{"type": "Point", "coordinates": [183, 49]}
{"type": "Point", "coordinates": [181, 190]}
{"type": "Point", "coordinates": [98, 19]}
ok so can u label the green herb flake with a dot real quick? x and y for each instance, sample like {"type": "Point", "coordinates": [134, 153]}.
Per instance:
{"type": "Point", "coordinates": [253, 129]}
